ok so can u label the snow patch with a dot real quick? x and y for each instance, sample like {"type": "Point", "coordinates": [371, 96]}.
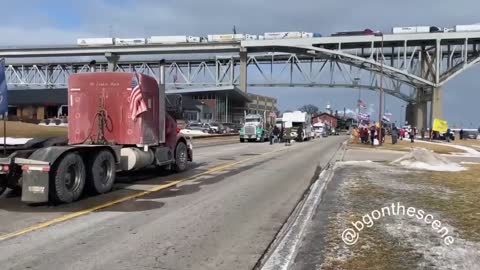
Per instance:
{"type": "Point", "coordinates": [470, 151]}
{"type": "Point", "coordinates": [353, 162]}
{"type": "Point", "coordinates": [423, 159]}
{"type": "Point", "coordinates": [463, 254]}
{"type": "Point", "coordinates": [15, 141]}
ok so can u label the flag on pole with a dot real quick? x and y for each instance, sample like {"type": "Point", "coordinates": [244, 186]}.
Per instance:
{"type": "Point", "coordinates": [362, 104]}
{"type": "Point", "coordinates": [386, 119]}
{"type": "Point", "coordinates": [3, 89]}
{"type": "Point", "coordinates": [137, 104]}
{"type": "Point", "coordinates": [364, 116]}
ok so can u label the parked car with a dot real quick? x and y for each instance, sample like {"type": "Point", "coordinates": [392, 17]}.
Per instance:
{"type": "Point", "coordinates": [205, 128]}
{"type": "Point", "coordinates": [231, 127]}
{"type": "Point", "coordinates": [218, 128]}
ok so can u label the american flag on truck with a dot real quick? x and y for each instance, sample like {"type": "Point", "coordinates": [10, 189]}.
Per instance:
{"type": "Point", "coordinates": [137, 103]}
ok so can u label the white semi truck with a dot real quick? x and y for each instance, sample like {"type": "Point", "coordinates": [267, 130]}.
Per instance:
{"type": "Point", "coordinates": [254, 128]}
{"type": "Point", "coordinates": [296, 119]}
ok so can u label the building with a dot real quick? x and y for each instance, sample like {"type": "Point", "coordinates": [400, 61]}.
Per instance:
{"type": "Point", "coordinates": [215, 104]}
{"type": "Point", "coordinates": [262, 104]}
{"type": "Point", "coordinates": [326, 118]}
{"type": "Point", "coordinates": [35, 105]}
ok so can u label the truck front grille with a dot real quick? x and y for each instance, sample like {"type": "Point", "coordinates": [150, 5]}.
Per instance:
{"type": "Point", "coordinates": [250, 130]}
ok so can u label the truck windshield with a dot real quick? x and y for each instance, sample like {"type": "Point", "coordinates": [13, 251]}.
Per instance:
{"type": "Point", "coordinates": [252, 120]}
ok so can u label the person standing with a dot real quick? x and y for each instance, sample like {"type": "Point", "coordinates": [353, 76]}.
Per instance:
{"type": "Point", "coordinates": [300, 134]}
{"type": "Point", "coordinates": [355, 134]}
{"type": "Point", "coordinates": [373, 130]}
{"type": "Point", "coordinates": [282, 133]}
{"type": "Point", "coordinates": [270, 136]}
{"type": "Point", "coordinates": [276, 132]}
{"type": "Point", "coordinates": [461, 134]}
{"type": "Point", "coordinates": [383, 133]}
{"type": "Point", "coordinates": [394, 135]}
{"type": "Point", "coordinates": [287, 136]}
{"type": "Point", "coordinates": [412, 135]}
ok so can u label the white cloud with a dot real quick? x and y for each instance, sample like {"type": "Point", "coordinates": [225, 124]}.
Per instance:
{"type": "Point", "coordinates": [38, 36]}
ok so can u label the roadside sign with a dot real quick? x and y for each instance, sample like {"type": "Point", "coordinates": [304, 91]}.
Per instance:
{"type": "Point", "coordinates": [440, 125]}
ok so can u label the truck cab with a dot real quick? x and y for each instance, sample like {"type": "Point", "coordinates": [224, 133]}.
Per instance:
{"type": "Point", "coordinates": [113, 126]}
{"type": "Point", "coordinates": [253, 129]}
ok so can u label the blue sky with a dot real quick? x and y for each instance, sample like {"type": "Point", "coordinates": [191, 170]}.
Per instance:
{"type": "Point", "coordinates": [60, 22]}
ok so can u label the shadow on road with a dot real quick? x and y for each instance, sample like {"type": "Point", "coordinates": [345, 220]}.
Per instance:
{"type": "Point", "coordinates": [11, 200]}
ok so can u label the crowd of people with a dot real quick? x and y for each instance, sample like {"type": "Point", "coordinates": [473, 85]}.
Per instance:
{"type": "Point", "coordinates": [284, 135]}
{"type": "Point", "coordinates": [372, 134]}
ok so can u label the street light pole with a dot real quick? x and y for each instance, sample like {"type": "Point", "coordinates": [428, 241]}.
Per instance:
{"type": "Point", "coordinates": [380, 107]}
{"type": "Point", "coordinates": [400, 116]}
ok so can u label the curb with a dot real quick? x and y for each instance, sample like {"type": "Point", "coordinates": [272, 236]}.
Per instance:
{"type": "Point", "coordinates": [283, 249]}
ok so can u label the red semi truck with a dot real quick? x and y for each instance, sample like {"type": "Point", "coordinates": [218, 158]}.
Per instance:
{"type": "Point", "coordinates": [116, 122]}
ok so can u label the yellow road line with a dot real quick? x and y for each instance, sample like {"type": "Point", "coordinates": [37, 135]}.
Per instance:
{"type": "Point", "coordinates": [124, 199]}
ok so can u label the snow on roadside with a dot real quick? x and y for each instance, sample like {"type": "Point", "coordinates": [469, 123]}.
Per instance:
{"type": "Point", "coordinates": [462, 254]}
{"type": "Point", "coordinates": [15, 141]}
{"type": "Point", "coordinates": [468, 150]}
{"type": "Point", "coordinates": [423, 159]}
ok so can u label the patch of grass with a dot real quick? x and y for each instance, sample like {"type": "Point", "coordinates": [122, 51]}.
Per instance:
{"type": "Point", "coordinates": [406, 146]}
{"type": "Point", "coordinates": [375, 249]}
{"type": "Point", "coordinates": [26, 130]}
{"type": "Point", "coordinates": [462, 208]}
{"type": "Point", "coordinates": [468, 142]}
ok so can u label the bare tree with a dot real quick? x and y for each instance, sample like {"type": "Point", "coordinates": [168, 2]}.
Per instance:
{"type": "Point", "coordinates": [309, 108]}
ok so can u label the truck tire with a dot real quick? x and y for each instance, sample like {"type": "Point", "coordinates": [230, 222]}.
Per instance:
{"type": "Point", "coordinates": [3, 184]}
{"type": "Point", "coordinates": [68, 177]}
{"type": "Point", "coordinates": [181, 157]}
{"type": "Point", "coordinates": [101, 173]}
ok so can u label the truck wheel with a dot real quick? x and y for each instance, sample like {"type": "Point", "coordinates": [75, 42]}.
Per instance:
{"type": "Point", "coordinates": [101, 173]}
{"type": "Point", "coordinates": [3, 184]}
{"type": "Point", "coordinates": [242, 140]}
{"type": "Point", "coordinates": [181, 157]}
{"type": "Point", "coordinates": [68, 178]}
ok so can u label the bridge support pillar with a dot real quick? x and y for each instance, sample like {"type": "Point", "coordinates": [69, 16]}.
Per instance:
{"type": "Point", "coordinates": [421, 108]}
{"type": "Point", "coordinates": [437, 104]}
{"type": "Point", "coordinates": [112, 61]}
{"type": "Point", "coordinates": [409, 114]}
{"type": "Point", "coordinates": [243, 70]}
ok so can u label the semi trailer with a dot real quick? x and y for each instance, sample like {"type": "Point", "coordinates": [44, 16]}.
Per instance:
{"type": "Point", "coordinates": [117, 122]}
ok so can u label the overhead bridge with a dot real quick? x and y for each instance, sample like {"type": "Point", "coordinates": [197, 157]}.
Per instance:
{"type": "Point", "coordinates": [415, 66]}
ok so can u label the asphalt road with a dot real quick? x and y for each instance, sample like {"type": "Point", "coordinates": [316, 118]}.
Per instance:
{"type": "Point", "coordinates": [224, 218]}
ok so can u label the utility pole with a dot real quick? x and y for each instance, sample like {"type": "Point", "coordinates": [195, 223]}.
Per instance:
{"type": "Point", "coordinates": [380, 109]}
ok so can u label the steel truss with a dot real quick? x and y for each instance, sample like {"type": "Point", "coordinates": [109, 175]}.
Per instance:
{"type": "Point", "coordinates": [407, 66]}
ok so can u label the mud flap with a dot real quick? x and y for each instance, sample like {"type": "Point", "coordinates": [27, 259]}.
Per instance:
{"type": "Point", "coordinates": [35, 180]}
{"type": "Point", "coordinates": [35, 186]}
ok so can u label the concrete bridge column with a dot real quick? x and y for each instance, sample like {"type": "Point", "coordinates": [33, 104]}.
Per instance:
{"type": "Point", "coordinates": [409, 114]}
{"type": "Point", "coordinates": [437, 104]}
{"type": "Point", "coordinates": [421, 115]}
{"type": "Point", "coordinates": [421, 109]}
{"type": "Point", "coordinates": [112, 61]}
{"type": "Point", "coordinates": [243, 70]}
